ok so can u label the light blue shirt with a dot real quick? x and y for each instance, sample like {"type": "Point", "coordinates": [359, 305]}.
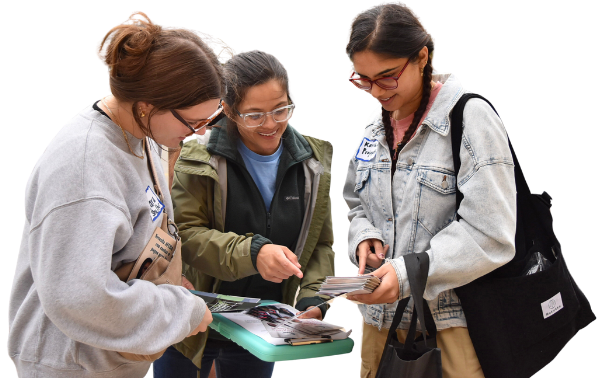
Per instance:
{"type": "Point", "coordinates": [263, 170]}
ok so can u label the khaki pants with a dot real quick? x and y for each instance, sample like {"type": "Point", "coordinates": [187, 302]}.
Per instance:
{"type": "Point", "coordinates": [458, 356]}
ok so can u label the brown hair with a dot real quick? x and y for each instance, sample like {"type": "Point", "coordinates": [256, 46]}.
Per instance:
{"type": "Point", "coordinates": [393, 30]}
{"type": "Point", "coordinates": [246, 70]}
{"type": "Point", "coordinates": [167, 68]}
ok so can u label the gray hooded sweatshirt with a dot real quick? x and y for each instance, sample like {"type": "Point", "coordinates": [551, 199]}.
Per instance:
{"type": "Point", "coordinates": [87, 213]}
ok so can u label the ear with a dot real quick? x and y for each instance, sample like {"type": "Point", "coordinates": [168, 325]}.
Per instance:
{"type": "Point", "coordinates": [145, 107]}
{"type": "Point", "coordinates": [423, 57]}
{"type": "Point", "coordinates": [228, 112]}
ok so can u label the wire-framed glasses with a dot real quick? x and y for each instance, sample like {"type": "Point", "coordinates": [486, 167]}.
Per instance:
{"type": "Point", "coordinates": [388, 82]}
{"type": "Point", "coordinates": [202, 123]}
{"type": "Point", "coordinates": [258, 119]}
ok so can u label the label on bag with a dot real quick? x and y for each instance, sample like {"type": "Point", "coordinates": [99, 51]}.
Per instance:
{"type": "Point", "coordinates": [156, 207]}
{"type": "Point", "coordinates": [367, 150]}
{"type": "Point", "coordinates": [552, 306]}
{"type": "Point", "coordinates": [160, 246]}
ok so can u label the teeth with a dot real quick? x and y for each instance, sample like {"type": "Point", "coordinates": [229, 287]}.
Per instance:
{"type": "Point", "coordinates": [271, 134]}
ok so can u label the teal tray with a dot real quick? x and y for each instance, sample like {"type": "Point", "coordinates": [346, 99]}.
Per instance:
{"type": "Point", "coordinates": [272, 353]}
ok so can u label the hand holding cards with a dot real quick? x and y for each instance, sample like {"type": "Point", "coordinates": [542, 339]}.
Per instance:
{"type": "Point", "coordinates": [336, 286]}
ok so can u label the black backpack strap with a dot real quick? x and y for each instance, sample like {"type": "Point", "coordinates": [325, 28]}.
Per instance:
{"type": "Point", "coordinates": [456, 132]}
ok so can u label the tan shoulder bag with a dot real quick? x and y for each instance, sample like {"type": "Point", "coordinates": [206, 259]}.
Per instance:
{"type": "Point", "coordinates": [160, 261]}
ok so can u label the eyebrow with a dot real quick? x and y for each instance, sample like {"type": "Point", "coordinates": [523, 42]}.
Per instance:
{"type": "Point", "coordinates": [257, 110]}
{"type": "Point", "coordinates": [389, 70]}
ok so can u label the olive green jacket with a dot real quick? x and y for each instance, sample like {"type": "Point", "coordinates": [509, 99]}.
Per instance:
{"type": "Point", "coordinates": [210, 255]}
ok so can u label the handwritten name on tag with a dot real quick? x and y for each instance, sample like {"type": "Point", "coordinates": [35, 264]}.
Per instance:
{"type": "Point", "coordinates": [156, 207]}
{"type": "Point", "coordinates": [367, 150]}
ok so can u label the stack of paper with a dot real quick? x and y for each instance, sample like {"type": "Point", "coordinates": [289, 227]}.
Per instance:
{"type": "Point", "coordinates": [277, 324]}
{"type": "Point", "coordinates": [335, 286]}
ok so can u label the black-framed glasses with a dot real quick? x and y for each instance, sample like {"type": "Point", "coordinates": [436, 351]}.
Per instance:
{"type": "Point", "coordinates": [258, 119]}
{"type": "Point", "coordinates": [388, 82]}
{"type": "Point", "coordinates": [201, 124]}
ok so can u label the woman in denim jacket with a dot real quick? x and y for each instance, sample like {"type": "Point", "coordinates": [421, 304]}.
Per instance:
{"type": "Point", "coordinates": [401, 186]}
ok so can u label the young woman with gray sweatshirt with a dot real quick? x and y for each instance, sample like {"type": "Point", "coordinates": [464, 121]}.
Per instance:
{"type": "Point", "coordinates": [88, 212]}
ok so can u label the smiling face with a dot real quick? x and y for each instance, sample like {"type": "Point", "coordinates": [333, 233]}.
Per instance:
{"type": "Point", "coordinates": [265, 139]}
{"type": "Point", "coordinates": [169, 131]}
{"type": "Point", "coordinates": [405, 99]}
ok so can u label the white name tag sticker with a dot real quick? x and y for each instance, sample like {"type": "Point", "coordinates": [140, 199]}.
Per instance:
{"type": "Point", "coordinates": [552, 306]}
{"type": "Point", "coordinates": [156, 207]}
{"type": "Point", "coordinates": [367, 150]}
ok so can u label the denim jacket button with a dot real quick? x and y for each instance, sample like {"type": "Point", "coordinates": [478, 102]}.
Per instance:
{"type": "Point", "coordinates": [409, 161]}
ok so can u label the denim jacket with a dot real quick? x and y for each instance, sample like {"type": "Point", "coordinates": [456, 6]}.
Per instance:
{"type": "Point", "coordinates": [416, 211]}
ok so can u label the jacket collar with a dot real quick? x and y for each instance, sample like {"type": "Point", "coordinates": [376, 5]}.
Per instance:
{"type": "Point", "coordinates": [438, 118]}
{"type": "Point", "coordinates": [220, 144]}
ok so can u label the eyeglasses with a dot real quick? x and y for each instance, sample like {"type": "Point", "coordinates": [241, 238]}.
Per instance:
{"type": "Point", "coordinates": [202, 123]}
{"type": "Point", "coordinates": [388, 82]}
{"type": "Point", "coordinates": [258, 119]}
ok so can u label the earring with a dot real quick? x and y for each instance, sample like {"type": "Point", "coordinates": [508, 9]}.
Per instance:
{"type": "Point", "coordinates": [142, 115]}
{"type": "Point", "coordinates": [422, 69]}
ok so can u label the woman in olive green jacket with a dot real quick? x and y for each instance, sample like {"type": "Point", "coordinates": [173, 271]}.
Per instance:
{"type": "Point", "coordinates": [243, 234]}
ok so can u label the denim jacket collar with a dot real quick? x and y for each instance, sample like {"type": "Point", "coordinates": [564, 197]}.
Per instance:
{"type": "Point", "coordinates": [438, 118]}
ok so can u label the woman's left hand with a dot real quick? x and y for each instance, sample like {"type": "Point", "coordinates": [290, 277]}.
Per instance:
{"type": "Point", "coordinates": [186, 283]}
{"type": "Point", "coordinates": [312, 312]}
{"type": "Point", "coordinates": [387, 292]}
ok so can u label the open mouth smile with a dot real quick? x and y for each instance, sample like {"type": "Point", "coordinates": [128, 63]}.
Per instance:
{"type": "Point", "coordinates": [269, 134]}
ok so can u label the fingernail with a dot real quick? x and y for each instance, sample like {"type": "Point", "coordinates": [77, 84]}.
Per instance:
{"type": "Point", "coordinates": [381, 256]}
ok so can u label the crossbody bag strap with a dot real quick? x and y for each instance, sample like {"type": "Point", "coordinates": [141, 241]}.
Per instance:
{"type": "Point", "coordinates": [153, 174]}
{"type": "Point", "coordinates": [167, 224]}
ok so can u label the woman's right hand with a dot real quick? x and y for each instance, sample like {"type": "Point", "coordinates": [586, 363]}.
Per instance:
{"type": "Point", "coordinates": [206, 320]}
{"type": "Point", "coordinates": [367, 257]}
{"type": "Point", "coordinates": [276, 263]}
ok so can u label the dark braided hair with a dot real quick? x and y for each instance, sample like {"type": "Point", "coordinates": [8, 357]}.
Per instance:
{"type": "Point", "coordinates": [393, 30]}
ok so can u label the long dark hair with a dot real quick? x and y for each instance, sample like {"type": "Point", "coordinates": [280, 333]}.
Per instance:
{"type": "Point", "coordinates": [246, 70]}
{"type": "Point", "coordinates": [167, 68]}
{"type": "Point", "coordinates": [393, 30]}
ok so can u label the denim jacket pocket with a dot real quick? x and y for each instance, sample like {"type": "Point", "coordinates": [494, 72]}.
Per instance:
{"type": "Point", "coordinates": [437, 204]}
{"type": "Point", "coordinates": [362, 176]}
{"type": "Point", "coordinates": [361, 186]}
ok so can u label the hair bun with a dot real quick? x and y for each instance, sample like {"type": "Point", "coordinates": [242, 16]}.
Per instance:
{"type": "Point", "coordinates": [129, 44]}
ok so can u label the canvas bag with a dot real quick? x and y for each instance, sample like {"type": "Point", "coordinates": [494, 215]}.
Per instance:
{"type": "Point", "coordinates": [415, 358]}
{"type": "Point", "coordinates": [161, 271]}
{"type": "Point", "coordinates": [519, 323]}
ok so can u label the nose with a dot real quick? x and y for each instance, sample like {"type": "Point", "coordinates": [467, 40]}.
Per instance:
{"type": "Point", "coordinates": [202, 131]}
{"type": "Point", "coordinates": [376, 91]}
{"type": "Point", "coordinates": [269, 122]}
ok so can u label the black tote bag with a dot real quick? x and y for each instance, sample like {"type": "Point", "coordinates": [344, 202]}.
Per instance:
{"type": "Point", "coordinates": [518, 323]}
{"type": "Point", "coordinates": [415, 358]}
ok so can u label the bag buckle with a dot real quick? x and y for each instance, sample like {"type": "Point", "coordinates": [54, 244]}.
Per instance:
{"type": "Point", "coordinates": [174, 231]}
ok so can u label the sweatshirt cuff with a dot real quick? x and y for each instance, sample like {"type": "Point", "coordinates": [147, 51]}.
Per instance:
{"type": "Point", "coordinates": [197, 313]}
{"type": "Point", "coordinates": [257, 243]}
{"type": "Point", "coordinates": [306, 302]}
{"type": "Point", "coordinates": [402, 275]}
